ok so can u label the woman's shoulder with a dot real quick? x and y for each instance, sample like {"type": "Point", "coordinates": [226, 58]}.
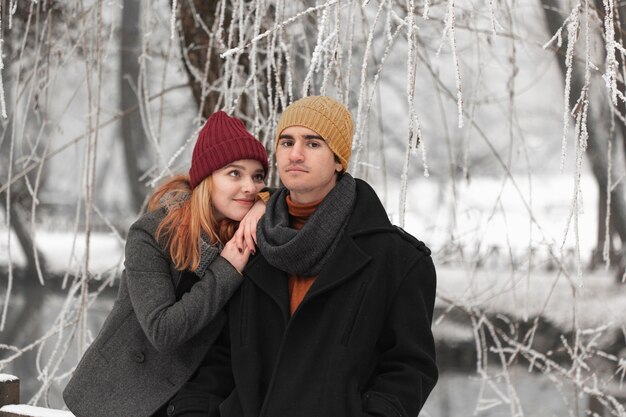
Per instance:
{"type": "Point", "coordinates": [148, 222]}
{"type": "Point", "coordinates": [142, 235]}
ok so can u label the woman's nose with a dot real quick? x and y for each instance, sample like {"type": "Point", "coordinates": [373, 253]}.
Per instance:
{"type": "Point", "coordinates": [248, 185]}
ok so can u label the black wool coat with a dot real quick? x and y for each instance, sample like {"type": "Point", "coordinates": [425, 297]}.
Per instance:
{"type": "Point", "coordinates": [359, 344]}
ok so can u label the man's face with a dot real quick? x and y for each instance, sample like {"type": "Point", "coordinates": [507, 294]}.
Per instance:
{"type": "Point", "coordinates": [306, 164]}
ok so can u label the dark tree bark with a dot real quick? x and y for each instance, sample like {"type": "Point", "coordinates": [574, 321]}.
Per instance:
{"type": "Point", "coordinates": [132, 133]}
{"type": "Point", "coordinates": [202, 56]}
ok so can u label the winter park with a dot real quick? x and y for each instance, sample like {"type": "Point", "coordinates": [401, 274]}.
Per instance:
{"type": "Point", "coordinates": [492, 131]}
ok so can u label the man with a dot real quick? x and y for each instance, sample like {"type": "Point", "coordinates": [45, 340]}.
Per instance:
{"type": "Point", "coordinates": [333, 317]}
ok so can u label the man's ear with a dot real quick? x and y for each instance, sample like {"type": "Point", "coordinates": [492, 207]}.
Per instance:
{"type": "Point", "coordinates": [338, 165]}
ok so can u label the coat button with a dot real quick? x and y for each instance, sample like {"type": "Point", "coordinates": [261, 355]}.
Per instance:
{"type": "Point", "coordinates": [170, 410]}
{"type": "Point", "coordinates": [139, 357]}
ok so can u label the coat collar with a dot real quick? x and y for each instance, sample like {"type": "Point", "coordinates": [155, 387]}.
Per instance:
{"type": "Point", "coordinates": [345, 263]}
{"type": "Point", "coordinates": [270, 280]}
{"type": "Point", "coordinates": [368, 216]}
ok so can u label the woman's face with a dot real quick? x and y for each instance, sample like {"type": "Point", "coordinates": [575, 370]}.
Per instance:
{"type": "Point", "coordinates": [235, 187]}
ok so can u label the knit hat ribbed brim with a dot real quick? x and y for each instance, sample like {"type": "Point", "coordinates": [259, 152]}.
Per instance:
{"type": "Point", "coordinates": [222, 140]}
{"type": "Point", "coordinates": [325, 116]}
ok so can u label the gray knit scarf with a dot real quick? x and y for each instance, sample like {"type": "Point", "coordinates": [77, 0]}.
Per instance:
{"type": "Point", "coordinates": [304, 252]}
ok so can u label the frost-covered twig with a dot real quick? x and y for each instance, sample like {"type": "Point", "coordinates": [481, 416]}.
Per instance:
{"type": "Point", "coordinates": [173, 18]}
{"type": "Point", "coordinates": [278, 27]}
{"type": "Point", "coordinates": [450, 32]}
{"type": "Point", "coordinates": [3, 104]}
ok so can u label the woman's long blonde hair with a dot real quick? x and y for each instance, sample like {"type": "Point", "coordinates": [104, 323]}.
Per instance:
{"type": "Point", "coordinates": [186, 219]}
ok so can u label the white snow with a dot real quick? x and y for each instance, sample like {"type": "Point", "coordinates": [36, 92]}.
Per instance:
{"type": "Point", "coordinates": [8, 378]}
{"type": "Point", "coordinates": [491, 215]}
{"type": "Point", "coordinates": [30, 411]}
{"type": "Point", "coordinates": [106, 250]}
{"type": "Point", "coordinates": [522, 295]}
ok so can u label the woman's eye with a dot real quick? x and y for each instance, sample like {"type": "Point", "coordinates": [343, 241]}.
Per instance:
{"type": "Point", "coordinates": [259, 178]}
{"type": "Point", "coordinates": [233, 173]}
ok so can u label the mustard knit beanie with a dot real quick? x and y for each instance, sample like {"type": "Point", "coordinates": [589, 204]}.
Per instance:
{"type": "Point", "coordinates": [326, 117]}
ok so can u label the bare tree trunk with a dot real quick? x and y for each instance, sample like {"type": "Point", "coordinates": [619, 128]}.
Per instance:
{"type": "Point", "coordinates": [132, 134]}
{"type": "Point", "coordinates": [597, 129]}
{"type": "Point", "coordinates": [24, 238]}
{"type": "Point", "coordinates": [201, 56]}
{"type": "Point", "coordinates": [197, 50]}
{"type": "Point", "coordinates": [17, 222]}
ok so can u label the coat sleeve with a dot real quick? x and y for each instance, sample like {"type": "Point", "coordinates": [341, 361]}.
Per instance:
{"type": "Point", "coordinates": [168, 322]}
{"type": "Point", "coordinates": [212, 382]}
{"type": "Point", "coordinates": [406, 371]}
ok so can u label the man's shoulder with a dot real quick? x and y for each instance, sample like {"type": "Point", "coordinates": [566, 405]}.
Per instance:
{"type": "Point", "coordinates": [412, 240]}
{"type": "Point", "coordinates": [392, 242]}
{"type": "Point", "coordinates": [371, 218]}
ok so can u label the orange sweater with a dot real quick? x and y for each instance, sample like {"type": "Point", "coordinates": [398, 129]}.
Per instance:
{"type": "Point", "coordinates": [299, 286]}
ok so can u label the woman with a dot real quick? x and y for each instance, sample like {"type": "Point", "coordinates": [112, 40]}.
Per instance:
{"type": "Point", "coordinates": [176, 281]}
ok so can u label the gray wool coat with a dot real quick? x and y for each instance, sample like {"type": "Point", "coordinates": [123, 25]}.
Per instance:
{"type": "Point", "coordinates": [154, 338]}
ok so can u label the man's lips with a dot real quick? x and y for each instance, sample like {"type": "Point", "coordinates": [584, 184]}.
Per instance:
{"type": "Point", "coordinates": [295, 169]}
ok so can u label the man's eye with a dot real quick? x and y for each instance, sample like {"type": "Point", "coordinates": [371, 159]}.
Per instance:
{"type": "Point", "coordinates": [285, 143]}
{"type": "Point", "coordinates": [313, 145]}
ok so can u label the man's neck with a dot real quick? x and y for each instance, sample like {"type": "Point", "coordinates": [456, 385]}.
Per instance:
{"type": "Point", "coordinates": [311, 196]}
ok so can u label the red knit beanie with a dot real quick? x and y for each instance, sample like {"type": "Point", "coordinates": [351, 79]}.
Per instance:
{"type": "Point", "coordinates": [222, 140]}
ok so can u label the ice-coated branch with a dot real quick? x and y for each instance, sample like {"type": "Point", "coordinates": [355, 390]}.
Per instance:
{"type": "Point", "coordinates": [361, 119]}
{"type": "Point", "coordinates": [572, 35]}
{"type": "Point", "coordinates": [410, 94]}
{"type": "Point", "coordinates": [3, 104]}
{"type": "Point", "coordinates": [612, 66]}
{"type": "Point", "coordinates": [281, 25]}
{"type": "Point", "coordinates": [450, 32]}
{"type": "Point", "coordinates": [316, 57]}
{"type": "Point", "coordinates": [173, 18]}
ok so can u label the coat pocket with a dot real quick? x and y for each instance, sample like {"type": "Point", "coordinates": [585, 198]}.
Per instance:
{"type": "Point", "coordinates": [354, 314]}
{"type": "Point", "coordinates": [128, 335]}
{"type": "Point", "coordinates": [90, 388]}
{"type": "Point", "coordinates": [231, 406]}
{"type": "Point", "coordinates": [378, 404]}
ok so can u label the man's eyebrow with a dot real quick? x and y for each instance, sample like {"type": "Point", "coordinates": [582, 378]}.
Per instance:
{"type": "Point", "coordinates": [288, 136]}
{"type": "Point", "coordinates": [313, 137]}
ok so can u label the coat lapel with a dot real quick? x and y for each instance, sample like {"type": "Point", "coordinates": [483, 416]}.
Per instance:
{"type": "Point", "coordinates": [347, 260]}
{"type": "Point", "coordinates": [270, 280]}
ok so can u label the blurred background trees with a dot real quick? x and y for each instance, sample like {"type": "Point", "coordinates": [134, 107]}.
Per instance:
{"type": "Point", "coordinates": [494, 131]}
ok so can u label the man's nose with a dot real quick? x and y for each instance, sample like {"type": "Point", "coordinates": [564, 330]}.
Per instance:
{"type": "Point", "coordinates": [295, 153]}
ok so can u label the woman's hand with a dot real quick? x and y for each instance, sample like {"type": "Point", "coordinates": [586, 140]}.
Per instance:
{"type": "Point", "coordinates": [238, 258]}
{"type": "Point", "coordinates": [245, 236]}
